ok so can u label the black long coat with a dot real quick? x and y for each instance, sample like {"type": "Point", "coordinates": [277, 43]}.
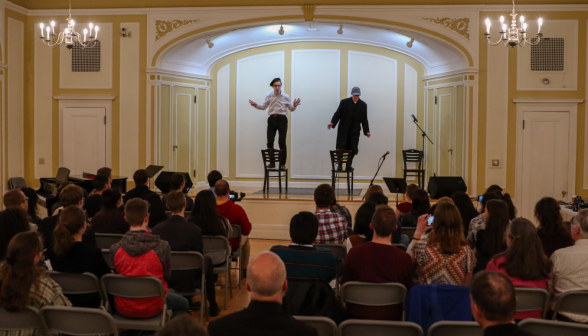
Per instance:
{"type": "Point", "coordinates": [350, 123]}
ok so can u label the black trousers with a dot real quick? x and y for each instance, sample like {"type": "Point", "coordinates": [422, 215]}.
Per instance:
{"type": "Point", "coordinates": [279, 123]}
{"type": "Point", "coordinates": [210, 282]}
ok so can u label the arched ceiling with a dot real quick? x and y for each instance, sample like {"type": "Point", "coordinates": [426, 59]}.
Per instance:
{"type": "Point", "coordinates": [195, 57]}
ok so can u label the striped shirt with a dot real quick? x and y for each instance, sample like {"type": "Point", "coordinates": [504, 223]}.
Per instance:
{"type": "Point", "coordinates": [277, 104]}
{"type": "Point", "coordinates": [332, 227]}
{"type": "Point", "coordinates": [304, 262]}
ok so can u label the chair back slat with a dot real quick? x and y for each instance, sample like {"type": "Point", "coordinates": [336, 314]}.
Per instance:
{"type": "Point", "coordinates": [373, 294]}
{"type": "Point", "coordinates": [379, 328]}
{"type": "Point", "coordinates": [16, 182]}
{"type": "Point", "coordinates": [270, 155]}
{"type": "Point", "coordinates": [414, 156]}
{"type": "Point", "coordinates": [78, 321]}
{"type": "Point", "coordinates": [187, 260]}
{"type": "Point", "coordinates": [531, 299]}
{"type": "Point", "coordinates": [75, 283]}
{"type": "Point", "coordinates": [339, 249]}
{"type": "Point", "coordinates": [324, 326]}
{"type": "Point", "coordinates": [409, 231]}
{"type": "Point", "coordinates": [550, 328]}
{"type": "Point", "coordinates": [340, 157]}
{"type": "Point", "coordinates": [106, 240]}
{"type": "Point", "coordinates": [455, 328]}
{"type": "Point", "coordinates": [236, 233]}
{"type": "Point", "coordinates": [132, 287]}
{"type": "Point", "coordinates": [217, 248]}
{"type": "Point", "coordinates": [25, 319]}
{"type": "Point", "coordinates": [572, 302]}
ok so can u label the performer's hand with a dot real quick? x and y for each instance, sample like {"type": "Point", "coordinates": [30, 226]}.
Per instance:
{"type": "Point", "coordinates": [252, 103]}
{"type": "Point", "coordinates": [368, 135]}
{"type": "Point", "coordinates": [297, 102]}
{"type": "Point", "coordinates": [330, 126]}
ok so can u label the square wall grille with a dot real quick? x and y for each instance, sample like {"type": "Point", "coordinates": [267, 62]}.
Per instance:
{"type": "Point", "coordinates": [85, 60]}
{"type": "Point", "coordinates": [548, 55]}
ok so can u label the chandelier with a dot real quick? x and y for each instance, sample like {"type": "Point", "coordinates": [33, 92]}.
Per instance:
{"type": "Point", "coordinates": [69, 36]}
{"type": "Point", "coordinates": [513, 35]}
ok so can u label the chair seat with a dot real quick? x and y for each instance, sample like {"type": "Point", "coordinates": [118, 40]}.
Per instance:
{"type": "Point", "coordinates": [219, 269]}
{"type": "Point", "coordinates": [152, 323]}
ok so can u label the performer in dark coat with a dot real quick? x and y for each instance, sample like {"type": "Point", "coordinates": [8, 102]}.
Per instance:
{"type": "Point", "coordinates": [352, 117]}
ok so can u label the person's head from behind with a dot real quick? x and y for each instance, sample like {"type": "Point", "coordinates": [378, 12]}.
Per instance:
{"type": "Point", "coordinates": [156, 207]}
{"type": "Point", "coordinates": [462, 200]}
{"type": "Point", "coordinates": [31, 194]}
{"type": "Point", "coordinates": [140, 177]}
{"type": "Point", "coordinates": [15, 198]}
{"type": "Point", "coordinates": [410, 189]}
{"type": "Point", "coordinates": [71, 227]}
{"type": "Point", "coordinates": [420, 202]}
{"type": "Point", "coordinates": [176, 201]}
{"type": "Point", "coordinates": [378, 198]}
{"type": "Point", "coordinates": [496, 221]}
{"type": "Point", "coordinates": [12, 222]}
{"type": "Point", "coordinates": [488, 196]}
{"type": "Point", "coordinates": [71, 195]}
{"type": "Point", "coordinates": [447, 233]}
{"type": "Point", "coordinates": [493, 298]}
{"type": "Point", "coordinates": [136, 213]}
{"type": "Point", "coordinates": [372, 189]}
{"type": "Point", "coordinates": [177, 181]}
{"type": "Point", "coordinates": [384, 221]}
{"type": "Point", "coordinates": [107, 172]}
{"type": "Point", "coordinates": [547, 212]}
{"type": "Point", "coordinates": [101, 183]}
{"type": "Point", "coordinates": [494, 189]}
{"type": "Point", "coordinates": [304, 228]}
{"type": "Point", "coordinates": [19, 271]}
{"type": "Point", "coordinates": [214, 176]}
{"type": "Point", "coordinates": [324, 195]}
{"type": "Point", "coordinates": [182, 326]}
{"type": "Point", "coordinates": [266, 278]}
{"type": "Point", "coordinates": [579, 226]}
{"type": "Point", "coordinates": [204, 212]}
{"type": "Point", "coordinates": [112, 199]}
{"type": "Point", "coordinates": [222, 189]}
{"type": "Point", "coordinates": [363, 219]}
{"type": "Point", "coordinates": [525, 258]}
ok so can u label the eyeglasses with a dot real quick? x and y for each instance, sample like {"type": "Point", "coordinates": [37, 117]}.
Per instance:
{"type": "Point", "coordinates": [278, 85]}
{"type": "Point", "coordinates": [25, 200]}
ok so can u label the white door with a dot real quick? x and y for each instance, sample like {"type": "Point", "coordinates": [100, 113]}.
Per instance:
{"type": "Point", "coordinates": [545, 158]}
{"type": "Point", "coordinates": [84, 139]}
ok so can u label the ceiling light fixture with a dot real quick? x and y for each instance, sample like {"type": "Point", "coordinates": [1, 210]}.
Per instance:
{"type": "Point", "coordinates": [69, 36]}
{"type": "Point", "coordinates": [311, 26]}
{"type": "Point", "coordinates": [340, 30]}
{"type": "Point", "coordinates": [281, 31]}
{"type": "Point", "coordinates": [409, 43]}
{"type": "Point", "coordinates": [514, 35]}
{"type": "Point", "coordinates": [210, 44]}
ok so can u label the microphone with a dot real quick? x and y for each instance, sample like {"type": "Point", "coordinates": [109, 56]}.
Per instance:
{"type": "Point", "coordinates": [388, 152]}
{"type": "Point", "coordinates": [414, 118]}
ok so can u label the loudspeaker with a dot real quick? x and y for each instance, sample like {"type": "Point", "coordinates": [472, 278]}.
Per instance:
{"type": "Point", "coordinates": [441, 186]}
{"type": "Point", "coordinates": [162, 182]}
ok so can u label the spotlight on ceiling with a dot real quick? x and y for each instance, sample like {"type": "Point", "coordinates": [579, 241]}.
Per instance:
{"type": "Point", "coordinates": [340, 30]}
{"type": "Point", "coordinates": [409, 43]}
{"type": "Point", "coordinates": [210, 44]}
{"type": "Point", "coordinates": [281, 31]}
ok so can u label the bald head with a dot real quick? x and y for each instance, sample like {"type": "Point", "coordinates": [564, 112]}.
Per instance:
{"type": "Point", "coordinates": [494, 295]}
{"type": "Point", "coordinates": [221, 188]}
{"type": "Point", "coordinates": [14, 198]}
{"type": "Point", "coordinates": [266, 275]}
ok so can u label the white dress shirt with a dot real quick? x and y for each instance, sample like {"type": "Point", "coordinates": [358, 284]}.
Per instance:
{"type": "Point", "coordinates": [570, 272]}
{"type": "Point", "coordinates": [277, 104]}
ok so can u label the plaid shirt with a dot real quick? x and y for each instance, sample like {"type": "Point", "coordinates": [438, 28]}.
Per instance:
{"type": "Point", "coordinates": [332, 227]}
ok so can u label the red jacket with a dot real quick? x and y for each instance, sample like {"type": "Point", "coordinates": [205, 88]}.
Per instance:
{"type": "Point", "coordinates": [237, 216]}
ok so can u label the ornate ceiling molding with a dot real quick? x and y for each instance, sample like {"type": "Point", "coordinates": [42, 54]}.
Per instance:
{"type": "Point", "coordinates": [308, 12]}
{"type": "Point", "coordinates": [461, 26]}
{"type": "Point", "coordinates": [165, 27]}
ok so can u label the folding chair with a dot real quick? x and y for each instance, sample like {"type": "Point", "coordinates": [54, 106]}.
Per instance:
{"type": "Point", "coordinates": [455, 328]}
{"type": "Point", "coordinates": [237, 253]}
{"type": "Point", "coordinates": [572, 302]}
{"type": "Point", "coordinates": [24, 319]}
{"type": "Point", "coordinates": [76, 283]}
{"type": "Point", "coordinates": [106, 255]}
{"type": "Point", "coordinates": [549, 328]}
{"type": "Point", "coordinates": [374, 294]}
{"type": "Point", "coordinates": [191, 260]}
{"type": "Point", "coordinates": [219, 249]}
{"type": "Point", "coordinates": [106, 240]}
{"type": "Point", "coordinates": [409, 231]}
{"type": "Point", "coordinates": [135, 288]}
{"type": "Point", "coordinates": [16, 182]}
{"type": "Point", "coordinates": [400, 246]}
{"type": "Point", "coordinates": [78, 321]}
{"type": "Point", "coordinates": [324, 326]}
{"type": "Point", "coordinates": [531, 299]}
{"type": "Point", "coordinates": [340, 251]}
{"type": "Point", "coordinates": [379, 328]}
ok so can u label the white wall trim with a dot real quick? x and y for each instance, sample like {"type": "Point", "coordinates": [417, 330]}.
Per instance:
{"type": "Point", "coordinates": [548, 100]}
{"type": "Point", "coordinates": [84, 97]}
{"type": "Point", "coordinates": [219, 141]}
{"type": "Point", "coordinates": [176, 74]}
{"type": "Point", "coordinates": [451, 74]}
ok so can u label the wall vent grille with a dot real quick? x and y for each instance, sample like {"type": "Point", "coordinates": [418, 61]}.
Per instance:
{"type": "Point", "coordinates": [85, 60]}
{"type": "Point", "coordinates": [548, 55]}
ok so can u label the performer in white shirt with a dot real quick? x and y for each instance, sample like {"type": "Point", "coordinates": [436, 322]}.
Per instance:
{"type": "Point", "coordinates": [277, 101]}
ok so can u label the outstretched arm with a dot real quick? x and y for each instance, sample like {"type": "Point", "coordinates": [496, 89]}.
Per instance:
{"type": "Point", "coordinates": [262, 106]}
{"type": "Point", "coordinates": [292, 105]}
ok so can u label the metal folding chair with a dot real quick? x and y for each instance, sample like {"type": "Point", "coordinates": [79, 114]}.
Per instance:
{"type": "Point", "coordinates": [549, 328]}
{"type": "Point", "coordinates": [76, 283]}
{"type": "Point", "coordinates": [219, 249]}
{"type": "Point", "coordinates": [400, 246]}
{"type": "Point", "coordinates": [572, 302]}
{"type": "Point", "coordinates": [374, 294]}
{"type": "Point", "coordinates": [237, 233]}
{"type": "Point", "coordinates": [455, 328]}
{"type": "Point", "coordinates": [106, 240]}
{"type": "Point", "coordinates": [340, 251]}
{"type": "Point", "coordinates": [191, 260]}
{"type": "Point", "coordinates": [16, 182]}
{"type": "Point", "coordinates": [409, 231]}
{"type": "Point", "coordinates": [24, 319]}
{"type": "Point", "coordinates": [531, 299]}
{"type": "Point", "coordinates": [324, 326]}
{"type": "Point", "coordinates": [78, 321]}
{"type": "Point", "coordinates": [106, 255]}
{"type": "Point", "coordinates": [379, 328]}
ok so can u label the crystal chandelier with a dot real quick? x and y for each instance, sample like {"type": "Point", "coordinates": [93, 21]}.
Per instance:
{"type": "Point", "coordinates": [69, 36]}
{"type": "Point", "coordinates": [513, 35]}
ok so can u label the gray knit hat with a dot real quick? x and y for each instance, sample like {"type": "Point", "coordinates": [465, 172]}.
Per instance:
{"type": "Point", "coordinates": [355, 91]}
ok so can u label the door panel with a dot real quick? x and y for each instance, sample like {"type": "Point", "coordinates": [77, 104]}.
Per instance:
{"type": "Point", "coordinates": [184, 111]}
{"type": "Point", "coordinates": [445, 135]}
{"type": "Point", "coordinates": [84, 139]}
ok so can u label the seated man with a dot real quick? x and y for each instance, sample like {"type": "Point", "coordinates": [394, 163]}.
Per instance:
{"type": "Point", "coordinates": [332, 226]}
{"type": "Point", "coordinates": [304, 261]}
{"type": "Point", "coordinates": [178, 182]}
{"type": "Point", "coordinates": [264, 316]}
{"type": "Point", "coordinates": [379, 261]}
{"type": "Point", "coordinates": [93, 203]}
{"type": "Point", "coordinates": [16, 198]}
{"type": "Point", "coordinates": [212, 178]}
{"type": "Point", "coordinates": [107, 172]}
{"type": "Point", "coordinates": [141, 254]}
{"type": "Point", "coordinates": [141, 189]}
{"type": "Point", "coordinates": [494, 303]}
{"type": "Point", "coordinates": [182, 235]}
{"type": "Point", "coordinates": [236, 216]}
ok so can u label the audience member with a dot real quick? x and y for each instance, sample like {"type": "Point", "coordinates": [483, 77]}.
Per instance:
{"type": "Point", "coordinates": [70, 195]}
{"type": "Point", "coordinates": [524, 262]}
{"type": "Point", "coordinates": [57, 205]}
{"type": "Point", "coordinates": [478, 223]}
{"type": "Point", "coordinates": [342, 210]}
{"type": "Point", "coordinates": [182, 326]}
{"type": "Point", "coordinates": [378, 198]}
{"type": "Point", "coordinates": [264, 316]}
{"type": "Point", "coordinates": [205, 216]}
{"type": "Point", "coordinates": [406, 206]}
{"type": "Point", "coordinates": [444, 257]}
{"type": "Point", "coordinates": [178, 182]}
{"type": "Point", "coordinates": [185, 236]}
{"type": "Point", "coordinates": [106, 172]}
{"type": "Point", "coordinates": [70, 255]}
{"type": "Point", "coordinates": [332, 226]}
{"type": "Point", "coordinates": [490, 240]}
{"type": "Point", "coordinates": [12, 222]}
{"type": "Point", "coordinates": [23, 283]}
{"type": "Point", "coordinates": [156, 210]}
{"type": "Point", "coordinates": [32, 199]}
{"type": "Point", "coordinates": [570, 264]}
{"type": "Point", "coordinates": [420, 206]}
{"type": "Point", "coordinates": [551, 230]}
{"type": "Point", "coordinates": [93, 203]}
{"type": "Point", "coordinates": [304, 261]}
{"type": "Point", "coordinates": [141, 189]}
{"type": "Point", "coordinates": [379, 261]}
{"type": "Point", "coordinates": [466, 208]}
{"type": "Point", "coordinates": [213, 177]}
{"type": "Point", "coordinates": [362, 230]}
{"type": "Point", "coordinates": [494, 303]}
{"type": "Point", "coordinates": [372, 189]}
{"type": "Point", "coordinates": [236, 216]}
{"type": "Point", "coordinates": [142, 254]}
{"type": "Point", "coordinates": [16, 198]}
{"type": "Point", "coordinates": [110, 219]}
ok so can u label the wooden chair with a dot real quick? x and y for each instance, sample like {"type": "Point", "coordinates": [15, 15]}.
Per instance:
{"type": "Point", "coordinates": [414, 156]}
{"type": "Point", "coordinates": [338, 158]}
{"type": "Point", "coordinates": [273, 156]}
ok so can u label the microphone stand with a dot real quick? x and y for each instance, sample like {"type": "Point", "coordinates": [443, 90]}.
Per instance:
{"type": "Point", "coordinates": [380, 163]}
{"type": "Point", "coordinates": [424, 135]}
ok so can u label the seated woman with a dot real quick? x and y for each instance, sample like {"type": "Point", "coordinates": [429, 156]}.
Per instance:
{"type": "Point", "coordinates": [156, 210]}
{"type": "Point", "coordinates": [490, 240]}
{"type": "Point", "coordinates": [12, 222]}
{"type": "Point", "coordinates": [110, 219]}
{"type": "Point", "coordinates": [32, 196]}
{"type": "Point", "coordinates": [444, 257]}
{"type": "Point", "coordinates": [552, 231]}
{"type": "Point", "coordinates": [372, 189]}
{"type": "Point", "coordinates": [420, 206]}
{"type": "Point", "coordinates": [524, 261]}
{"type": "Point", "coordinates": [466, 208]}
{"type": "Point", "coordinates": [362, 231]}
{"type": "Point", "coordinates": [70, 255]}
{"type": "Point", "coordinates": [23, 283]}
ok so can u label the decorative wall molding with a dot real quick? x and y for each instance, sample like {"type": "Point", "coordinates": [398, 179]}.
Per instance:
{"type": "Point", "coordinates": [308, 12]}
{"type": "Point", "coordinates": [460, 26]}
{"type": "Point", "coordinates": [165, 27]}
{"type": "Point", "coordinates": [177, 74]}
{"type": "Point", "coordinates": [84, 97]}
